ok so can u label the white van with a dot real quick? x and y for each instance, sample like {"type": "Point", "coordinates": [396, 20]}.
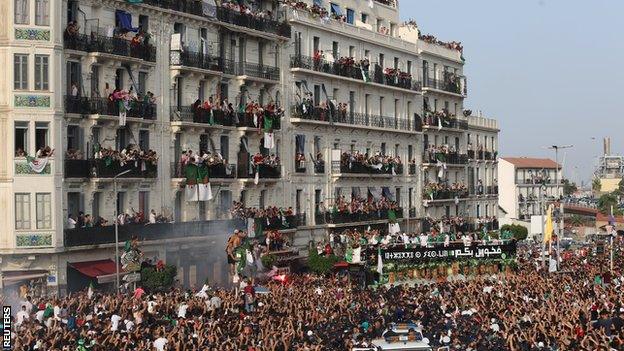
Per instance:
{"type": "Point", "coordinates": [403, 337]}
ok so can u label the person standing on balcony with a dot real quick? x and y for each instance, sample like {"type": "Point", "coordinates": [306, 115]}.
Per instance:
{"type": "Point", "coordinates": [71, 222]}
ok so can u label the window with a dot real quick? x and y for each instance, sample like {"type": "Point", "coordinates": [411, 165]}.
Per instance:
{"type": "Point", "coordinates": [142, 83]}
{"type": "Point", "coordinates": [316, 44]}
{"type": "Point", "coordinates": [121, 202]}
{"type": "Point", "coordinates": [410, 153]}
{"type": "Point", "coordinates": [351, 51]}
{"type": "Point", "coordinates": [144, 139]}
{"type": "Point", "coordinates": [350, 16]}
{"type": "Point", "coordinates": [317, 95]}
{"type": "Point", "coordinates": [381, 103]}
{"type": "Point", "coordinates": [95, 81]}
{"type": "Point", "coordinates": [262, 200]}
{"type": "Point", "coordinates": [364, 18]}
{"type": "Point", "coordinates": [41, 72]}
{"type": "Point", "coordinates": [317, 145]}
{"type": "Point", "coordinates": [335, 50]}
{"type": "Point", "coordinates": [396, 62]}
{"type": "Point", "coordinates": [41, 135]}
{"type": "Point", "coordinates": [22, 211]}
{"type": "Point", "coordinates": [409, 66]}
{"type": "Point", "coordinates": [203, 143]}
{"type": "Point", "coordinates": [119, 78]}
{"type": "Point", "coordinates": [398, 196]}
{"type": "Point", "coordinates": [317, 200]}
{"type": "Point", "coordinates": [21, 138]}
{"type": "Point", "coordinates": [73, 138]}
{"type": "Point", "coordinates": [22, 11]}
{"type": "Point", "coordinates": [381, 60]}
{"type": "Point", "coordinates": [120, 139]}
{"type": "Point", "coordinates": [225, 202]}
{"type": "Point", "coordinates": [298, 197]}
{"type": "Point", "coordinates": [224, 147]}
{"type": "Point", "coordinates": [42, 12]}
{"type": "Point", "coordinates": [144, 202]}
{"type": "Point", "coordinates": [44, 210]}
{"type": "Point", "coordinates": [144, 22]}
{"type": "Point", "coordinates": [20, 72]}
{"type": "Point", "coordinates": [95, 209]}
{"type": "Point", "coordinates": [383, 148]}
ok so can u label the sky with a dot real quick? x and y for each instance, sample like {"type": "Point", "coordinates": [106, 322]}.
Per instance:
{"type": "Point", "coordinates": [547, 70]}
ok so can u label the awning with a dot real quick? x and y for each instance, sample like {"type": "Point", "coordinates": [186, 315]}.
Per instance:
{"type": "Point", "coordinates": [103, 270]}
{"type": "Point", "coordinates": [125, 20]}
{"type": "Point", "coordinates": [335, 9]}
{"type": "Point", "coordinates": [14, 277]}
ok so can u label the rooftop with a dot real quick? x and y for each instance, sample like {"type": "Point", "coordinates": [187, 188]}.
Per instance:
{"type": "Point", "coordinates": [528, 162]}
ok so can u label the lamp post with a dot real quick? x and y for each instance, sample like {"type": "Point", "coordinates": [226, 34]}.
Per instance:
{"type": "Point", "coordinates": [117, 229]}
{"type": "Point", "coordinates": [560, 234]}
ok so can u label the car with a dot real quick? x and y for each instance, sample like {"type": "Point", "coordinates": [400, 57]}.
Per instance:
{"type": "Point", "coordinates": [401, 337]}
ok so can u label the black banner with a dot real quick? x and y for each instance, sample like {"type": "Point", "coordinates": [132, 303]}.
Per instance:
{"type": "Point", "coordinates": [455, 251]}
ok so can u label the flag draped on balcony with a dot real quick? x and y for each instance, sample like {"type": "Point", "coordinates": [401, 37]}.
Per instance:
{"type": "Point", "coordinates": [197, 183]}
{"type": "Point", "coordinates": [37, 165]}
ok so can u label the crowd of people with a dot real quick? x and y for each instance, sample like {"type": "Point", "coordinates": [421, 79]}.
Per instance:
{"type": "Point", "coordinates": [247, 10]}
{"type": "Point", "coordinates": [444, 190]}
{"type": "Point", "coordinates": [357, 162]}
{"type": "Point", "coordinates": [358, 205]}
{"type": "Point", "coordinates": [214, 161]}
{"type": "Point", "coordinates": [131, 216]}
{"type": "Point", "coordinates": [271, 160]}
{"type": "Point", "coordinates": [442, 153]}
{"type": "Point", "coordinates": [221, 111]}
{"type": "Point", "coordinates": [578, 308]}
{"type": "Point", "coordinates": [130, 155]}
{"type": "Point", "coordinates": [453, 45]}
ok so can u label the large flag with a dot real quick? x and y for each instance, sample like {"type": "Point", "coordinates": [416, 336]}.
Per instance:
{"type": "Point", "coordinates": [37, 165]}
{"type": "Point", "coordinates": [548, 226]}
{"type": "Point", "coordinates": [197, 183]}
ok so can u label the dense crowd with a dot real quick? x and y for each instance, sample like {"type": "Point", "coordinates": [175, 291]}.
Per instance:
{"type": "Point", "coordinates": [83, 220]}
{"type": "Point", "coordinates": [443, 190]}
{"type": "Point", "coordinates": [357, 161]}
{"type": "Point", "coordinates": [579, 308]}
{"type": "Point", "coordinates": [453, 45]}
{"type": "Point", "coordinates": [131, 154]}
{"type": "Point", "coordinates": [247, 10]}
{"type": "Point", "coordinates": [359, 205]}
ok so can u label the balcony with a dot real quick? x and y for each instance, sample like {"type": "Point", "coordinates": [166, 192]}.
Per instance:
{"type": "Point", "coordinates": [105, 106]}
{"type": "Point", "coordinates": [195, 60]}
{"type": "Point", "coordinates": [100, 168]}
{"type": "Point", "coordinates": [482, 155]}
{"type": "Point", "coordinates": [201, 116]}
{"type": "Point", "coordinates": [450, 158]}
{"type": "Point", "coordinates": [264, 172]}
{"type": "Point", "coordinates": [191, 7]}
{"type": "Point", "coordinates": [445, 194]}
{"type": "Point", "coordinates": [215, 171]}
{"type": "Point", "coordinates": [375, 72]}
{"type": "Point", "coordinates": [151, 232]}
{"type": "Point", "coordinates": [226, 15]}
{"type": "Point", "coordinates": [452, 84]}
{"type": "Point", "coordinates": [344, 217]}
{"type": "Point", "coordinates": [432, 121]}
{"type": "Point", "coordinates": [246, 120]}
{"type": "Point", "coordinates": [352, 119]}
{"type": "Point", "coordinates": [95, 43]}
{"type": "Point", "coordinates": [391, 3]}
{"type": "Point", "coordinates": [254, 70]}
{"type": "Point", "coordinates": [358, 168]}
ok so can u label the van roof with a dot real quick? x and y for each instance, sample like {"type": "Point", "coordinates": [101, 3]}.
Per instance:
{"type": "Point", "coordinates": [401, 345]}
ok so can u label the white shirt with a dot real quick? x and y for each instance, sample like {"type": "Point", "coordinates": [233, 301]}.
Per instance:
{"type": "Point", "coordinates": [215, 302]}
{"type": "Point", "coordinates": [71, 223]}
{"type": "Point", "coordinates": [39, 316]}
{"type": "Point", "coordinates": [29, 306]}
{"type": "Point", "coordinates": [115, 322]}
{"type": "Point", "coordinates": [21, 317]}
{"type": "Point", "coordinates": [152, 218]}
{"type": "Point", "coordinates": [150, 306]}
{"type": "Point", "coordinates": [57, 312]}
{"type": "Point", "coordinates": [160, 343]}
{"type": "Point", "coordinates": [182, 310]}
{"type": "Point", "coordinates": [129, 325]}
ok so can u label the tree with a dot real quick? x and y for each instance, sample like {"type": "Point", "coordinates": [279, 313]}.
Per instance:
{"type": "Point", "coordinates": [569, 188]}
{"type": "Point", "coordinates": [576, 221]}
{"type": "Point", "coordinates": [596, 185]}
{"type": "Point", "coordinates": [519, 232]}
{"type": "Point", "coordinates": [606, 202]}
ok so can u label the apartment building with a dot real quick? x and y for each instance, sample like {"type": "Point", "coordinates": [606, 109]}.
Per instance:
{"type": "Point", "coordinates": [91, 77]}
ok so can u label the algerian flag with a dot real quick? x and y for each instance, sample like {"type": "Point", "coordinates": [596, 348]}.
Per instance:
{"type": "Point", "coordinates": [257, 177]}
{"type": "Point", "coordinates": [90, 291]}
{"type": "Point", "coordinates": [439, 123]}
{"type": "Point", "coordinates": [379, 263]}
{"type": "Point", "coordinates": [365, 76]}
{"type": "Point", "coordinates": [37, 164]}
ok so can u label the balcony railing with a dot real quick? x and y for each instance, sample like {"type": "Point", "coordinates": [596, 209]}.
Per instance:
{"type": "Point", "coordinates": [358, 168]}
{"type": "Point", "coordinates": [251, 69]}
{"type": "Point", "coordinates": [482, 155]}
{"type": "Point", "coordinates": [375, 72]}
{"type": "Point", "coordinates": [248, 121]}
{"type": "Point", "coordinates": [445, 85]}
{"type": "Point", "coordinates": [351, 118]}
{"type": "Point", "coordinates": [264, 172]}
{"type": "Point", "coordinates": [109, 45]}
{"type": "Point", "coordinates": [412, 168]}
{"type": "Point", "coordinates": [341, 217]}
{"type": "Point", "coordinates": [188, 114]}
{"type": "Point", "coordinates": [453, 158]}
{"type": "Point", "coordinates": [446, 195]}
{"type": "Point", "coordinates": [282, 29]}
{"type": "Point", "coordinates": [221, 170]}
{"type": "Point", "coordinates": [195, 59]}
{"type": "Point", "coordinates": [101, 168]}
{"type": "Point", "coordinates": [432, 121]}
{"type": "Point", "coordinates": [105, 106]}
{"type": "Point", "coordinates": [192, 7]}
{"type": "Point", "coordinates": [157, 231]}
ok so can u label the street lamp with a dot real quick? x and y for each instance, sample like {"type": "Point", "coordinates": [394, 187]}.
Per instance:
{"type": "Point", "coordinates": [117, 228]}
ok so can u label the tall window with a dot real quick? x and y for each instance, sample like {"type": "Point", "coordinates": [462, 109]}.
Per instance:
{"type": "Point", "coordinates": [144, 202]}
{"type": "Point", "coordinates": [142, 83]}
{"type": "Point", "coordinates": [20, 72]}
{"type": "Point", "coordinates": [41, 72]}
{"type": "Point", "coordinates": [22, 12]}
{"type": "Point", "coordinates": [224, 146]}
{"type": "Point", "coordinates": [144, 139]}
{"type": "Point", "coordinates": [21, 138]}
{"type": "Point", "coordinates": [42, 12]}
{"type": "Point", "coordinates": [350, 16]}
{"type": "Point", "coordinates": [41, 135]}
{"type": "Point", "coordinates": [44, 210]}
{"type": "Point", "coordinates": [22, 211]}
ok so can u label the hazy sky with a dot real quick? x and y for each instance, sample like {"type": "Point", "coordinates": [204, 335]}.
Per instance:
{"type": "Point", "coordinates": [549, 71]}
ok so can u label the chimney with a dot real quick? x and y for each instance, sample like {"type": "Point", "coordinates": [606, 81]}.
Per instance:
{"type": "Point", "coordinates": [607, 146]}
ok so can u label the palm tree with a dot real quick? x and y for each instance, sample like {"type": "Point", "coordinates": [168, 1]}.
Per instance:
{"type": "Point", "coordinates": [576, 221]}
{"type": "Point", "coordinates": [596, 185]}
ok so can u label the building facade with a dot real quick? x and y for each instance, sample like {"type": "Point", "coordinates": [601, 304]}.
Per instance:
{"type": "Point", "coordinates": [520, 181]}
{"type": "Point", "coordinates": [91, 77]}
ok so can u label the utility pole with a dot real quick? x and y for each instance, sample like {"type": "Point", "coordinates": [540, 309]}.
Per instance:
{"type": "Point", "coordinates": [541, 200]}
{"type": "Point", "coordinates": [560, 231]}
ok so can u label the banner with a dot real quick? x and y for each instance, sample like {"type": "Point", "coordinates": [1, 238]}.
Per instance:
{"type": "Point", "coordinates": [455, 251]}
